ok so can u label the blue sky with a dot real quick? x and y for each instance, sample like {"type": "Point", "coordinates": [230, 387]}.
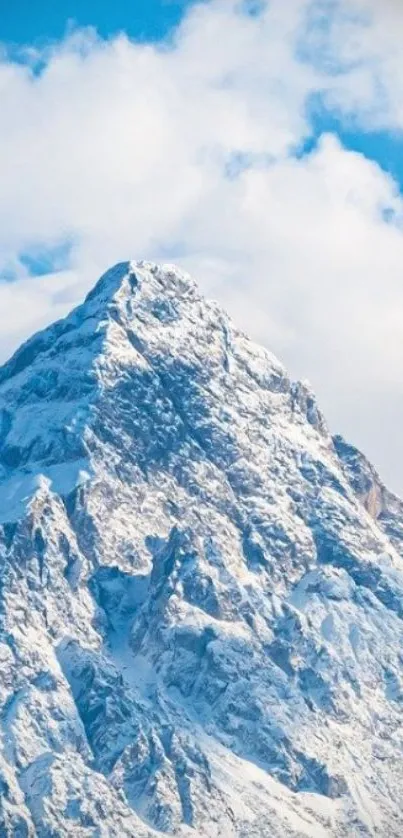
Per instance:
{"type": "Point", "coordinates": [230, 153]}
{"type": "Point", "coordinates": [383, 147]}
{"type": "Point", "coordinates": [29, 22]}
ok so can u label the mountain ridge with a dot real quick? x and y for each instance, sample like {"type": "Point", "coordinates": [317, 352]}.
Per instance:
{"type": "Point", "coordinates": [202, 590]}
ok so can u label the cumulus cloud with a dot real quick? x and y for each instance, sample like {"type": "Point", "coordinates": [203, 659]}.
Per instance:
{"type": "Point", "coordinates": [190, 151]}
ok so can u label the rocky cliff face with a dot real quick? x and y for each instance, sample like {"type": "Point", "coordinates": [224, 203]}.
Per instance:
{"type": "Point", "coordinates": [201, 591]}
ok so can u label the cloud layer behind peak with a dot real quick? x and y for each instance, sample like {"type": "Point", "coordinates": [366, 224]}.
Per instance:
{"type": "Point", "coordinates": [192, 150]}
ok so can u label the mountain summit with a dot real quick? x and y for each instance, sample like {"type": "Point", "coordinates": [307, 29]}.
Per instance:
{"type": "Point", "coordinates": [201, 590]}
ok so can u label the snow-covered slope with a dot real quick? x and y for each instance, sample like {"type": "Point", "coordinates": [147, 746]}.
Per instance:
{"type": "Point", "coordinates": [201, 590]}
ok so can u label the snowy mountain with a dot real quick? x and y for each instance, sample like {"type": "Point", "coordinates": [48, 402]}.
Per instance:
{"type": "Point", "coordinates": [201, 590]}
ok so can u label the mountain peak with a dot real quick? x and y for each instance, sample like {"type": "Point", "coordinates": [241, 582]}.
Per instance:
{"type": "Point", "coordinates": [139, 317]}
{"type": "Point", "coordinates": [202, 592]}
{"type": "Point", "coordinates": [110, 282]}
{"type": "Point", "coordinates": [125, 277]}
{"type": "Point", "coordinates": [118, 283]}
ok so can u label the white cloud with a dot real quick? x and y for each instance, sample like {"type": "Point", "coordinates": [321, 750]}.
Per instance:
{"type": "Point", "coordinates": [29, 303]}
{"type": "Point", "coordinates": [125, 149]}
{"type": "Point", "coordinates": [358, 42]}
